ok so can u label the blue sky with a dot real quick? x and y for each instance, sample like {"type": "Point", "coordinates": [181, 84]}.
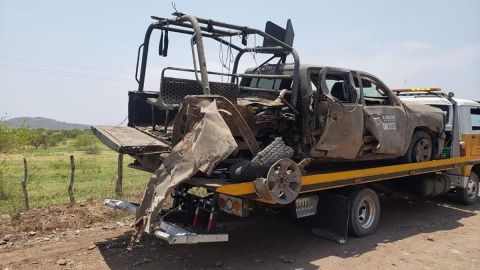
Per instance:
{"type": "Point", "coordinates": [75, 60]}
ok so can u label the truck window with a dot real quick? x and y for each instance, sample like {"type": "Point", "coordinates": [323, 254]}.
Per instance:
{"type": "Point", "coordinates": [338, 85]}
{"type": "Point", "coordinates": [276, 84]}
{"type": "Point", "coordinates": [475, 118]}
{"type": "Point", "coordinates": [374, 94]}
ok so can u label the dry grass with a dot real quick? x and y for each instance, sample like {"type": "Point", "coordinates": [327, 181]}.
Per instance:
{"type": "Point", "coordinates": [49, 176]}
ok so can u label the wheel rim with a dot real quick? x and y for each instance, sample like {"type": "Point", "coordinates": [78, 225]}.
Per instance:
{"type": "Point", "coordinates": [472, 189]}
{"type": "Point", "coordinates": [366, 213]}
{"type": "Point", "coordinates": [423, 150]}
{"type": "Point", "coordinates": [284, 181]}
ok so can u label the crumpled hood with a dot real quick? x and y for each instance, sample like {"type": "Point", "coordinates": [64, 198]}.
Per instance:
{"type": "Point", "coordinates": [425, 115]}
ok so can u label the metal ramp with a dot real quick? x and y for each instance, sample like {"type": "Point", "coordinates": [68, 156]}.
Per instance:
{"type": "Point", "coordinates": [128, 140]}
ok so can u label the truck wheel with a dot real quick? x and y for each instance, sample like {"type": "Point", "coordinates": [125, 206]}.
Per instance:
{"type": "Point", "coordinates": [364, 212]}
{"type": "Point", "coordinates": [420, 149]}
{"type": "Point", "coordinates": [469, 195]}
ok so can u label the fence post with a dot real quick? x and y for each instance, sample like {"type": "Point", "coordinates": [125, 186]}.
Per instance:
{"type": "Point", "coordinates": [72, 179]}
{"type": "Point", "coordinates": [24, 184]}
{"type": "Point", "coordinates": [119, 182]}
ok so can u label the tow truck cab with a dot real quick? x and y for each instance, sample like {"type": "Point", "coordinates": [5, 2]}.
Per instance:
{"type": "Point", "coordinates": [468, 115]}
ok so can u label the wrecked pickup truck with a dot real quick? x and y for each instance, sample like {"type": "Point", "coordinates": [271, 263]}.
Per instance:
{"type": "Point", "coordinates": [267, 126]}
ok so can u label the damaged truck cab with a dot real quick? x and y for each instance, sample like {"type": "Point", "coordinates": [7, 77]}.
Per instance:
{"type": "Point", "coordinates": [352, 115]}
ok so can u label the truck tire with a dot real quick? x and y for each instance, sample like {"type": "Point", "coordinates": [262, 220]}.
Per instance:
{"type": "Point", "coordinates": [469, 195]}
{"type": "Point", "coordinates": [275, 151]}
{"type": "Point", "coordinates": [244, 170]}
{"type": "Point", "coordinates": [364, 212]}
{"type": "Point", "coordinates": [420, 149]}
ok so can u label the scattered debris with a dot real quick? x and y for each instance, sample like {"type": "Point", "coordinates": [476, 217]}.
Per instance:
{"type": "Point", "coordinates": [91, 247]}
{"type": "Point", "coordinates": [2, 242]}
{"type": "Point", "coordinates": [430, 238]}
{"type": "Point", "coordinates": [32, 233]}
{"type": "Point", "coordinates": [62, 262]}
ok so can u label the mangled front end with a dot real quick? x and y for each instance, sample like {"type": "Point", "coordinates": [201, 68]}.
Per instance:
{"type": "Point", "coordinates": [207, 143]}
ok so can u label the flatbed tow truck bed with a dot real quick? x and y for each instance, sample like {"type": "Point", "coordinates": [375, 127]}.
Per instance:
{"type": "Point", "coordinates": [331, 180]}
{"type": "Point", "coordinates": [333, 210]}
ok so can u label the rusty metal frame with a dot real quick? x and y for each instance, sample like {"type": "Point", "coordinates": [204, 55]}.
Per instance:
{"type": "Point", "coordinates": [228, 106]}
{"type": "Point", "coordinates": [199, 28]}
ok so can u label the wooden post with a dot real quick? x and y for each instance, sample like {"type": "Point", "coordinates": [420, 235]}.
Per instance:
{"type": "Point", "coordinates": [24, 184]}
{"type": "Point", "coordinates": [119, 182]}
{"type": "Point", "coordinates": [72, 179]}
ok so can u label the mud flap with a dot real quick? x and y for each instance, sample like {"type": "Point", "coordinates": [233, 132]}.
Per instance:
{"type": "Point", "coordinates": [331, 220]}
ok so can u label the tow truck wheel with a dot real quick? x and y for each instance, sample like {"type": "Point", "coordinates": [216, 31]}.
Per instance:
{"type": "Point", "coordinates": [364, 212]}
{"type": "Point", "coordinates": [469, 195]}
{"type": "Point", "coordinates": [421, 148]}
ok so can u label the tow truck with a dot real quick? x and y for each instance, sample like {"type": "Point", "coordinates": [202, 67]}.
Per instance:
{"type": "Point", "coordinates": [336, 198]}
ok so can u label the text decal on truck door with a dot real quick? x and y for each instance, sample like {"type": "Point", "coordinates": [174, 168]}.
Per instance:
{"type": "Point", "coordinates": [389, 122]}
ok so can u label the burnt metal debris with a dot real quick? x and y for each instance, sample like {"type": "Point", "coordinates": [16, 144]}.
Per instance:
{"type": "Point", "coordinates": [193, 126]}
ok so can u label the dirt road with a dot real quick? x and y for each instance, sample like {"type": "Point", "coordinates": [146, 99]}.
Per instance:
{"type": "Point", "coordinates": [419, 234]}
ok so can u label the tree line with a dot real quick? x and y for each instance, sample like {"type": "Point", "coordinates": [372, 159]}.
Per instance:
{"type": "Point", "coordinates": [15, 139]}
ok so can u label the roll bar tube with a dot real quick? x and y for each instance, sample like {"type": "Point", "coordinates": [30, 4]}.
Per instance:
{"type": "Point", "coordinates": [200, 51]}
{"type": "Point", "coordinates": [209, 31]}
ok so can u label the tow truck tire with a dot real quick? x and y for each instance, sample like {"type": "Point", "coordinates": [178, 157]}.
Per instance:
{"type": "Point", "coordinates": [364, 212]}
{"type": "Point", "coordinates": [420, 149]}
{"type": "Point", "coordinates": [469, 195]}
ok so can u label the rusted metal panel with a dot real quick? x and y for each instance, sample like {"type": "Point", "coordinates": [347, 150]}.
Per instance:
{"type": "Point", "coordinates": [419, 115]}
{"type": "Point", "coordinates": [127, 140]}
{"type": "Point", "coordinates": [209, 142]}
{"type": "Point", "coordinates": [342, 136]}
{"type": "Point", "coordinates": [388, 124]}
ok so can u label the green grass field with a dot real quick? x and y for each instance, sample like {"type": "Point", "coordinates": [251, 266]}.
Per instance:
{"type": "Point", "coordinates": [49, 176]}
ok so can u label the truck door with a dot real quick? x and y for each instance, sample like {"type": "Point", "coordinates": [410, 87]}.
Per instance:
{"type": "Point", "coordinates": [340, 114]}
{"type": "Point", "coordinates": [385, 117]}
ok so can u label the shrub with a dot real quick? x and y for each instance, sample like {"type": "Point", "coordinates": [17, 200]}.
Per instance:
{"type": "Point", "coordinates": [93, 150]}
{"type": "Point", "coordinates": [13, 139]}
{"type": "Point", "coordinates": [88, 143]}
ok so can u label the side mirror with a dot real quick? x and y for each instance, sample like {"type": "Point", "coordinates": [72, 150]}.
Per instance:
{"type": "Point", "coordinates": [451, 94]}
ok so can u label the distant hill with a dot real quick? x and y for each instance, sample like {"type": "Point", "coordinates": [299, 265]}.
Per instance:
{"type": "Point", "coordinates": [42, 122]}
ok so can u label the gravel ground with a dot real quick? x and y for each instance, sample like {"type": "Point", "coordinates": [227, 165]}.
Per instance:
{"type": "Point", "coordinates": [413, 234]}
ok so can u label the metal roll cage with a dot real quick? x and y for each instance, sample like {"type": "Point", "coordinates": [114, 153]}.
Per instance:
{"type": "Point", "coordinates": [199, 28]}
